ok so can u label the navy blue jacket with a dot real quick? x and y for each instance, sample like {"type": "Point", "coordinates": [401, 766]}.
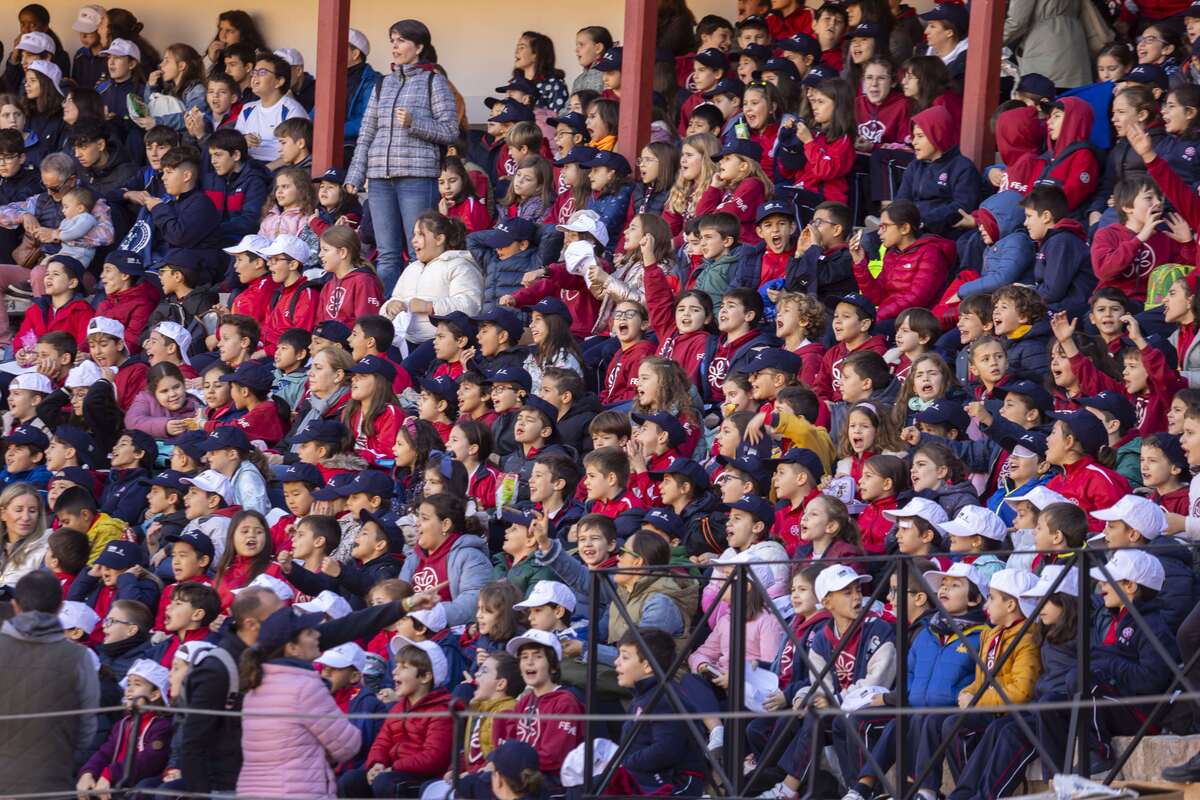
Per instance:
{"type": "Point", "coordinates": [1060, 669]}
{"type": "Point", "coordinates": [365, 702]}
{"type": "Point", "coordinates": [940, 189]}
{"type": "Point", "coordinates": [828, 274]}
{"type": "Point", "coordinates": [648, 201]}
{"type": "Point", "coordinates": [238, 198]}
{"type": "Point", "coordinates": [86, 587]}
{"type": "Point", "coordinates": [191, 222]}
{"type": "Point", "coordinates": [1183, 155]}
{"type": "Point", "coordinates": [124, 496]}
{"type": "Point", "coordinates": [1181, 589]}
{"type": "Point", "coordinates": [1132, 666]}
{"type": "Point", "coordinates": [1029, 356]}
{"type": "Point", "coordinates": [613, 209]}
{"type": "Point", "coordinates": [661, 751]}
{"type": "Point", "coordinates": [1062, 268]}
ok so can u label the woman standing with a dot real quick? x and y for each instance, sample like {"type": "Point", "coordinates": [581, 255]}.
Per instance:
{"type": "Point", "coordinates": [1048, 38]}
{"type": "Point", "coordinates": [23, 525]}
{"type": "Point", "coordinates": [408, 121]}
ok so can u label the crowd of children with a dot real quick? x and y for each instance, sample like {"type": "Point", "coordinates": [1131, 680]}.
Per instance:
{"type": "Point", "coordinates": [271, 467]}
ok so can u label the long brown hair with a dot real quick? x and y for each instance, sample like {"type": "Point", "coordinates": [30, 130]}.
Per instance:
{"type": "Point", "coordinates": [343, 237]}
{"type": "Point", "coordinates": [380, 399]}
{"type": "Point", "coordinates": [260, 562]}
{"type": "Point", "coordinates": [305, 188]}
{"type": "Point", "coordinates": [193, 67]}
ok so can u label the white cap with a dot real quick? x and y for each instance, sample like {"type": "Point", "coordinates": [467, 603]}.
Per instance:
{"type": "Point", "coordinates": [151, 671]}
{"type": "Point", "coordinates": [433, 619]}
{"type": "Point", "coordinates": [291, 246]}
{"type": "Point", "coordinates": [587, 221]}
{"type": "Point", "coordinates": [546, 592]}
{"type": "Point", "coordinates": [534, 636]}
{"type": "Point", "coordinates": [291, 55]}
{"type": "Point", "coordinates": [359, 40]}
{"type": "Point", "coordinates": [1039, 496]}
{"type": "Point", "coordinates": [1143, 515]}
{"type": "Point", "coordinates": [107, 326]}
{"type": "Point", "coordinates": [1131, 564]}
{"type": "Point", "coordinates": [1016, 583]}
{"type": "Point", "coordinates": [88, 19]}
{"type": "Point", "coordinates": [835, 578]}
{"type": "Point", "coordinates": [211, 481]}
{"type": "Point", "coordinates": [327, 602]}
{"type": "Point", "coordinates": [122, 47]}
{"type": "Point", "coordinates": [85, 373]}
{"type": "Point", "coordinates": [250, 243]}
{"type": "Point", "coordinates": [189, 650]}
{"type": "Point", "coordinates": [927, 510]}
{"type": "Point", "coordinates": [760, 569]}
{"type": "Point", "coordinates": [1068, 585]}
{"type": "Point", "coordinates": [344, 655]}
{"type": "Point", "coordinates": [976, 521]}
{"type": "Point", "coordinates": [960, 569]}
{"type": "Point", "coordinates": [74, 614]}
{"type": "Point", "coordinates": [32, 382]}
{"type": "Point", "coordinates": [272, 584]}
{"type": "Point", "coordinates": [51, 71]}
{"type": "Point", "coordinates": [178, 334]}
{"type": "Point", "coordinates": [37, 42]}
{"type": "Point", "coordinates": [441, 669]}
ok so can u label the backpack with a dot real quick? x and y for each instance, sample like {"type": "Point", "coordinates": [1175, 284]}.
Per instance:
{"type": "Point", "coordinates": [233, 699]}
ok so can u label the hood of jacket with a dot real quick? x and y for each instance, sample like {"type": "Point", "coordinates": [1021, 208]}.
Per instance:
{"type": "Point", "coordinates": [34, 626]}
{"type": "Point", "coordinates": [1076, 125]}
{"type": "Point", "coordinates": [938, 126]}
{"type": "Point", "coordinates": [1005, 208]}
{"type": "Point", "coordinates": [1067, 226]}
{"type": "Point", "coordinates": [1019, 134]}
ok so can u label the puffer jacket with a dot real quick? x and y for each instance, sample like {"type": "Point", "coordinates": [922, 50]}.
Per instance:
{"type": "Point", "coordinates": [452, 282]}
{"type": "Point", "coordinates": [911, 277]}
{"type": "Point", "coordinates": [1181, 587]}
{"type": "Point", "coordinates": [415, 745]}
{"type": "Point", "coordinates": [291, 755]}
{"type": "Point", "coordinates": [1048, 38]}
{"type": "Point", "coordinates": [132, 308]}
{"type": "Point", "coordinates": [624, 283]}
{"type": "Point", "coordinates": [953, 497]}
{"type": "Point", "coordinates": [940, 662]}
{"type": "Point", "coordinates": [148, 415]}
{"type": "Point", "coordinates": [502, 276]}
{"type": "Point", "coordinates": [469, 568]}
{"type": "Point", "coordinates": [384, 150]}
{"type": "Point", "coordinates": [1029, 355]}
{"type": "Point", "coordinates": [1130, 666]}
{"type": "Point", "coordinates": [613, 209]}
{"type": "Point", "coordinates": [1010, 257]}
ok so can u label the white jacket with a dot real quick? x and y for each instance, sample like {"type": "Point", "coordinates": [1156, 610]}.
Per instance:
{"type": "Point", "coordinates": [452, 282]}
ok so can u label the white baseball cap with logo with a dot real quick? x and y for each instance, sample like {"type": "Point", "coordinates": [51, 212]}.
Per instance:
{"type": "Point", "coordinates": [149, 671]}
{"type": "Point", "coordinates": [546, 592]}
{"type": "Point", "coordinates": [107, 326]}
{"type": "Point", "coordinates": [327, 602]}
{"type": "Point", "coordinates": [359, 40]}
{"type": "Point", "coordinates": [976, 521]}
{"type": "Point", "coordinates": [343, 656]}
{"type": "Point", "coordinates": [51, 71]}
{"type": "Point", "coordinates": [211, 481]}
{"type": "Point", "coordinates": [250, 243]}
{"type": "Point", "coordinates": [37, 42]}
{"type": "Point", "coordinates": [291, 55]}
{"type": "Point", "coordinates": [1039, 496]}
{"type": "Point", "coordinates": [437, 659]}
{"type": "Point", "coordinates": [272, 584]}
{"type": "Point", "coordinates": [179, 335]}
{"type": "Point", "coordinates": [32, 382]}
{"type": "Point", "coordinates": [122, 47]}
{"type": "Point", "coordinates": [534, 636]}
{"type": "Point", "coordinates": [587, 221]}
{"type": "Point", "coordinates": [1140, 513]}
{"type": "Point", "coordinates": [83, 374]}
{"type": "Point", "coordinates": [959, 569]}
{"type": "Point", "coordinates": [75, 614]}
{"type": "Point", "coordinates": [287, 245]}
{"type": "Point", "coordinates": [927, 510]}
{"type": "Point", "coordinates": [836, 578]}
{"type": "Point", "coordinates": [1016, 583]}
{"type": "Point", "coordinates": [1131, 564]}
{"type": "Point", "coordinates": [432, 618]}
{"type": "Point", "coordinates": [88, 19]}
{"type": "Point", "coordinates": [1045, 585]}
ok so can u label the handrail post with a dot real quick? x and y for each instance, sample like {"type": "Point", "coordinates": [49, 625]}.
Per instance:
{"type": "Point", "coordinates": [902, 622]}
{"type": "Point", "coordinates": [459, 743]}
{"type": "Point", "coordinates": [1083, 653]}
{"type": "Point", "coordinates": [594, 613]}
{"type": "Point", "coordinates": [736, 690]}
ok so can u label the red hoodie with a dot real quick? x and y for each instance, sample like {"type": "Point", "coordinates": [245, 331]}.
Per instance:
{"type": "Point", "coordinates": [552, 738]}
{"type": "Point", "coordinates": [886, 123]}
{"type": "Point", "coordinates": [346, 299]}
{"type": "Point", "coordinates": [951, 101]}
{"type": "Point", "coordinates": [42, 317]}
{"type": "Point", "coordinates": [263, 422]}
{"type": "Point", "coordinates": [1091, 487]}
{"type": "Point", "coordinates": [743, 202]}
{"type": "Point", "coordinates": [1161, 385]}
{"type": "Point", "coordinates": [620, 378]}
{"type": "Point", "coordinates": [826, 166]}
{"type": "Point", "coordinates": [1019, 136]}
{"type": "Point", "coordinates": [811, 355]}
{"type": "Point", "coordinates": [254, 298]}
{"type": "Point", "coordinates": [686, 349]}
{"type": "Point", "coordinates": [913, 277]}
{"type": "Point", "coordinates": [1121, 260]}
{"type": "Point", "coordinates": [828, 383]}
{"type": "Point", "coordinates": [473, 213]}
{"type": "Point", "coordinates": [1077, 172]}
{"type": "Point", "coordinates": [292, 306]}
{"type": "Point", "coordinates": [132, 309]}
{"type": "Point", "coordinates": [572, 290]}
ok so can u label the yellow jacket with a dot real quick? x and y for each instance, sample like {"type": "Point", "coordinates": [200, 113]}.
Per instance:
{"type": "Point", "coordinates": [1019, 672]}
{"type": "Point", "coordinates": [803, 433]}
{"type": "Point", "coordinates": [104, 530]}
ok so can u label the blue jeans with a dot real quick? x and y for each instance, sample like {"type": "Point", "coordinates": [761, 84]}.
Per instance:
{"type": "Point", "coordinates": [395, 205]}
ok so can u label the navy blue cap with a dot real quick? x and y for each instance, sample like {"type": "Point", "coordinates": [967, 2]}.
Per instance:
{"type": "Point", "coordinates": [740, 147]}
{"type": "Point", "coordinates": [758, 52]}
{"type": "Point", "coordinates": [945, 412]}
{"type": "Point", "coordinates": [551, 306]}
{"type": "Point", "coordinates": [507, 231]}
{"type": "Point", "coordinates": [665, 520]}
{"type": "Point", "coordinates": [442, 387]}
{"type": "Point", "coordinates": [81, 440]}
{"type": "Point", "coordinates": [184, 258]}
{"type": "Point", "coordinates": [579, 154]}
{"type": "Point", "coordinates": [375, 365]}
{"type": "Point", "coordinates": [199, 542]}
{"type": "Point", "coordinates": [780, 66]}
{"type": "Point", "coordinates": [546, 409]}
{"type": "Point", "coordinates": [320, 430]}
{"type": "Point", "coordinates": [728, 85]}
{"type": "Point", "coordinates": [511, 374]}
{"type": "Point", "coordinates": [504, 319]}
{"type": "Point", "coordinates": [608, 158]}
{"type": "Point", "coordinates": [83, 477]}
{"type": "Point", "coordinates": [395, 538]}
{"type": "Point", "coordinates": [676, 433]}
{"type": "Point", "coordinates": [1036, 85]}
{"type": "Point", "coordinates": [1114, 403]}
{"type": "Point", "coordinates": [1086, 427]}
{"type": "Point", "coordinates": [283, 626]}
{"type": "Point", "coordinates": [572, 119]}
{"type": "Point", "coordinates": [335, 487]}
{"type": "Point", "coordinates": [860, 302]}
{"type": "Point", "coordinates": [372, 482]}
{"type": "Point", "coordinates": [300, 472]}
{"type": "Point", "coordinates": [513, 759]}
{"type": "Point", "coordinates": [72, 265]}
{"type": "Point", "coordinates": [513, 111]}
{"type": "Point", "coordinates": [953, 14]}
{"type": "Point", "coordinates": [751, 465]}
{"type": "Point", "coordinates": [713, 58]}
{"type": "Point", "coordinates": [252, 375]}
{"type": "Point", "coordinates": [1149, 74]}
{"type": "Point", "coordinates": [127, 263]}
{"type": "Point", "coordinates": [775, 206]}
{"type": "Point", "coordinates": [332, 330]}
{"type": "Point", "coordinates": [758, 507]}
{"type": "Point", "coordinates": [865, 30]}
{"type": "Point", "coordinates": [805, 458]}
{"type": "Point", "coordinates": [1036, 393]}
{"type": "Point", "coordinates": [775, 358]}
{"type": "Point", "coordinates": [610, 61]}
{"type": "Point", "coordinates": [800, 43]}
{"type": "Point", "coordinates": [29, 435]}
{"type": "Point", "coordinates": [226, 436]}
{"type": "Point", "coordinates": [519, 83]}
{"type": "Point", "coordinates": [1033, 441]}
{"type": "Point", "coordinates": [1192, 11]}
{"type": "Point", "coordinates": [817, 74]}
{"type": "Point", "coordinates": [331, 175]}
{"type": "Point", "coordinates": [118, 554]}
{"type": "Point", "coordinates": [460, 321]}
{"type": "Point", "coordinates": [517, 516]}
{"type": "Point", "coordinates": [167, 479]}
{"type": "Point", "coordinates": [691, 471]}
{"type": "Point", "coordinates": [191, 442]}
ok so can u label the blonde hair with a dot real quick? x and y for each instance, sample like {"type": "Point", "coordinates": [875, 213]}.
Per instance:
{"type": "Point", "coordinates": [757, 173]}
{"type": "Point", "coordinates": [15, 554]}
{"type": "Point", "coordinates": [685, 194]}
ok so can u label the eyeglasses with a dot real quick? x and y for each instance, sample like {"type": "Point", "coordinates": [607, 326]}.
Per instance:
{"type": "Point", "coordinates": [883, 226]}
{"type": "Point", "coordinates": [1150, 39]}
{"type": "Point", "coordinates": [9, 158]}
{"type": "Point", "coordinates": [110, 621]}
{"type": "Point", "coordinates": [262, 73]}
{"type": "Point", "coordinates": [624, 315]}
{"type": "Point", "coordinates": [646, 160]}
{"type": "Point", "coordinates": [56, 189]}
{"type": "Point", "coordinates": [817, 222]}
{"type": "Point", "coordinates": [625, 551]}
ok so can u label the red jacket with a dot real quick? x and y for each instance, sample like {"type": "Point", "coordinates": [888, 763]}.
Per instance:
{"type": "Point", "coordinates": [687, 349]}
{"type": "Point", "coordinates": [1077, 171]}
{"type": "Point", "coordinates": [415, 744]}
{"type": "Point", "coordinates": [263, 422]}
{"type": "Point", "coordinates": [875, 526]}
{"type": "Point", "coordinates": [620, 377]}
{"type": "Point", "coordinates": [376, 447]}
{"type": "Point", "coordinates": [1178, 192]}
{"type": "Point", "coordinates": [828, 383]}
{"type": "Point", "coordinates": [811, 356]}
{"type": "Point", "coordinates": [346, 299]}
{"type": "Point", "coordinates": [799, 21]}
{"type": "Point", "coordinates": [1161, 385]}
{"type": "Point", "coordinates": [292, 306]}
{"type": "Point", "coordinates": [253, 299]}
{"type": "Point", "coordinates": [1123, 261]}
{"type": "Point", "coordinates": [572, 290]}
{"type": "Point", "coordinates": [132, 309]}
{"type": "Point", "coordinates": [42, 318]}
{"type": "Point", "coordinates": [130, 380]}
{"type": "Point", "coordinates": [552, 738]}
{"type": "Point", "coordinates": [910, 278]}
{"type": "Point", "coordinates": [1091, 487]}
{"type": "Point", "coordinates": [473, 213]}
{"type": "Point", "coordinates": [743, 202]}
{"type": "Point", "coordinates": [827, 164]}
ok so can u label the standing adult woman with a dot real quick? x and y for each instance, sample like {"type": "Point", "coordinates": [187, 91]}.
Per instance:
{"type": "Point", "coordinates": [24, 530]}
{"type": "Point", "coordinates": [1048, 38]}
{"type": "Point", "coordinates": [406, 125]}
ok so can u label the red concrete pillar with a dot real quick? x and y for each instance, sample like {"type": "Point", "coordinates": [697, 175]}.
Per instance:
{"type": "Point", "coordinates": [329, 118]}
{"type": "Point", "coordinates": [637, 77]}
{"type": "Point", "coordinates": [981, 90]}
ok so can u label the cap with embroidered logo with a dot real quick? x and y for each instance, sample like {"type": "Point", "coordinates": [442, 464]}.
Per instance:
{"type": "Point", "coordinates": [1131, 564]}
{"type": "Point", "coordinates": [1140, 513]}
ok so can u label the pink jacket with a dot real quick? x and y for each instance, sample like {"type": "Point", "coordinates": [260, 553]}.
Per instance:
{"type": "Point", "coordinates": [146, 414]}
{"type": "Point", "coordinates": [278, 221]}
{"type": "Point", "coordinates": [763, 638]}
{"type": "Point", "coordinates": [289, 756]}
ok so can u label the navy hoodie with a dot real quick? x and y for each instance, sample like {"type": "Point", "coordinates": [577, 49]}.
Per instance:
{"type": "Point", "coordinates": [191, 222]}
{"type": "Point", "coordinates": [124, 496]}
{"type": "Point", "coordinates": [663, 754]}
{"type": "Point", "coordinates": [1181, 589]}
{"type": "Point", "coordinates": [1131, 666]}
{"type": "Point", "coordinates": [827, 274]}
{"type": "Point", "coordinates": [943, 187]}
{"type": "Point", "coordinates": [1029, 356]}
{"type": "Point", "coordinates": [1062, 268]}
